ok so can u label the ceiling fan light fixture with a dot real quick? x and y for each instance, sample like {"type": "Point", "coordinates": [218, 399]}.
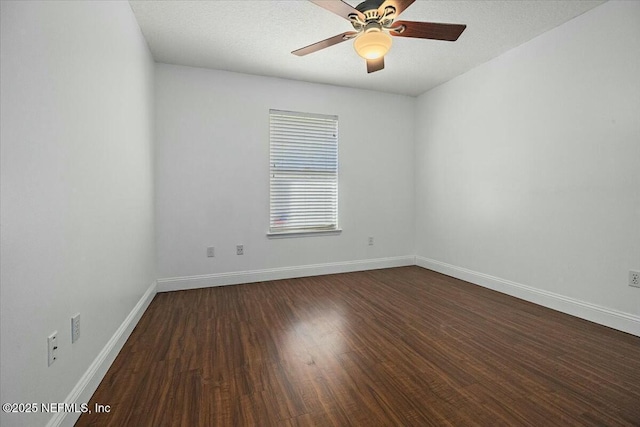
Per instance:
{"type": "Point", "coordinates": [372, 44]}
{"type": "Point", "coordinates": [374, 22]}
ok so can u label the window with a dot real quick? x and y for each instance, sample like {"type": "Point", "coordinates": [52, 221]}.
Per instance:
{"type": "Point", "coordinates": [304, 172]}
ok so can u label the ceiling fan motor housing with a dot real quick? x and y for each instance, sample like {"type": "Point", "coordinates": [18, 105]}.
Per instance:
{"type": "Point", "coordinates": [369, 5]}
{"type": "Point", "coordinates": [372, 14]}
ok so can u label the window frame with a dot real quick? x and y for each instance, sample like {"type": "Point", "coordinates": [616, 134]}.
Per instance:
{"type": "Point", "coordinates": [310, 231]}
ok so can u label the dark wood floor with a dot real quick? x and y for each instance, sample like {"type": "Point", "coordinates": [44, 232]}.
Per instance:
{"type": "Point", "coordinates": [403, 346]}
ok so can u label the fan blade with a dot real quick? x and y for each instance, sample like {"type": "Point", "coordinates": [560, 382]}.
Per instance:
{"type": "Point", "coordinates": [374, 65]}
{"type": "Point", "coordinates": [324, 43]}
{"type": "Point", "coordinates": [429, 30]}
{"type": "Point", "coordinates": [339, 8]}
{"type": "Point", "coordinates": [399, 5]}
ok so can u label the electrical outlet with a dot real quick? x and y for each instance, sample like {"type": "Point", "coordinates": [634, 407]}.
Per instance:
{"type": "Point", "coordinates": [75, 328]}
{"type": "Point", "coordinates": [370, 241]}
{"type": "Point", "coordinates": [52, 347]}
{"type": "Point", "coordinates": [210, 252]}
{"type": "Point", "coordinates": [634, 278]}
{"type": "Point", "coordinates": [240, 250]}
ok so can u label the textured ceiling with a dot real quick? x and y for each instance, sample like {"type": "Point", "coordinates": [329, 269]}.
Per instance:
{"type": "Point", "coordinates": [257, 37]}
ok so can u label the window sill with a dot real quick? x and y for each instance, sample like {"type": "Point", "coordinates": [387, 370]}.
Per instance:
{"type": "Point", "coordinates": [287, 234]}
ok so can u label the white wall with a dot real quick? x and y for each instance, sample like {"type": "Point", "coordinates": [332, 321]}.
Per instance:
{"type": "Point", "coordinates": [77, 189]}
{"type": "Point", "coordinates": [527, 167]}
{"type": "Point", "coordinates": [212, 183]}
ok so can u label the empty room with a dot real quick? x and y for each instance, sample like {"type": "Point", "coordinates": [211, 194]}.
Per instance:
{"type": "Point", "coordinates": [320, 213]}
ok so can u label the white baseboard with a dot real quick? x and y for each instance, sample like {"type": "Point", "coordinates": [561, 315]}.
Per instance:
{"type": "Point", "coordinates": [602, 315]}
{"type": "Point", "coordinates": [237, 277]}
{"type": "Point", "coordinates": [90, 380]}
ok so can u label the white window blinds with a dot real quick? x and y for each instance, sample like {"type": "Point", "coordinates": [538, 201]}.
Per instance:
{"type": "Point", "coordinates": [304, 172]}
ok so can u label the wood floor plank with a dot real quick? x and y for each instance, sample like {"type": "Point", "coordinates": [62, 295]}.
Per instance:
{"type": "Point", "coordinates": [401, 346]}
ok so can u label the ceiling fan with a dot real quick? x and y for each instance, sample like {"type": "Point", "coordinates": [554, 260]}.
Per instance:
{"type": "Point", "coordinates": [374, 22]}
